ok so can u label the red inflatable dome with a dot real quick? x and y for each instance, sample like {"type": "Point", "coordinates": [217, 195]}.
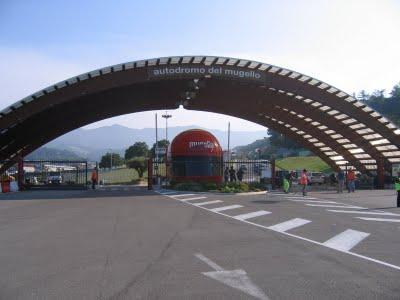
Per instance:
{"type": "Point", "coordinates": [195, 155]}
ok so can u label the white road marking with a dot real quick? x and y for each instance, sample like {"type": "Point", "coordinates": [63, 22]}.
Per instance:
{"type": "Point", "coordinates": [380, 219]}
{"type": "Point", "coordinates": [208, 202]}
{"type": "Point", "coordinates": [237, 279]}
{"type": "Point", "coordinates": [367, 258]}
{"type": "Point", "coordinates": [225, 208]}
{"type": "Point", "coordinates": [340, 206]}
{"type": "Point", "coordinates": [300, 197]}
{"type": "Point", "coordinates": [182, 195]}
{"type": "Point", "coordinates": [190, 199]}
{"type": "Point", "coordinates": [364, 212]}
{"type": "Point", "coordinates": [252, 215]}
{"type": "Point", "coordinates": [346, 240]}
{"type": "Point", "coordinates": [285, 226]}
{"type": "Point", "coordinates": [313, 201]}
{"type": "Point", "coordinates": [167, 193]}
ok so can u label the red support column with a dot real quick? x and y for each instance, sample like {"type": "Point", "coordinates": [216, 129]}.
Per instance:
{"type": "Point", "coordinates": [273, 177]}
{"type": "Point", "coordinates": [150, 174]}
{"type": "Point", "coordinates": [20, 173]}
{"type": "Point", "coordinates": [381, 173]}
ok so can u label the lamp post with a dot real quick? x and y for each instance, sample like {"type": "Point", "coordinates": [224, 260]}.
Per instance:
{"type": "Point", "coordinates": [166, 116]}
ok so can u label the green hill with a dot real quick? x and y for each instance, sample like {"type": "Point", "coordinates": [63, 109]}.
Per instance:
{"type": "Point", "coordinates": [311, 163]}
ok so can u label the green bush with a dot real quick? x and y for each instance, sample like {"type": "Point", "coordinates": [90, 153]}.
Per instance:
{"type": "Point", "coordinates": [210, 186]}
{"type": "Point", "coordinates": [235, 187]}
{"type": "Point", "coordinates": [257, 186]}
{"type": "Point", "coordinates": [189, 186]}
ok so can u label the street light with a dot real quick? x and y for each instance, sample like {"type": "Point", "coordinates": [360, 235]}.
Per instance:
{"type": "Point", "coordinates": [166, 116]}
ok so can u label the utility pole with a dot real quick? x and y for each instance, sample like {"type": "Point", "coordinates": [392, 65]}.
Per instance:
{"type": "Point", "coordinates": [229, 140]}
{"type": "Point", "coordinates": [110, 159]}
{"type": "Point", "coordinates": [156, 148]}
{"type": "Point", "coordinates": [166, 116]}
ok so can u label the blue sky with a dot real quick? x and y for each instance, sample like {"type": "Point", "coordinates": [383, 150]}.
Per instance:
{"type": "Point", "coordinates": [353, 45]}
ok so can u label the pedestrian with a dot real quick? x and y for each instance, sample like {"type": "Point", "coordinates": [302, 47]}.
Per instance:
{"type": "Point", "coordinates": [239, 174]}
{"type": "Point", "coordinates": [94, 178]}
{"type": "Point", "coordinates": [340, 178]}
{"type": "Point", "coordinates": [226, 174]}
{"type": "Point", "coordinates": [286, 185]}
{"type": "Point", "coordinates": [397, 187]}
{"type": "Point", "coordinates": [292, 177]}
{"type": "Point", "coordinates": [351, 177]}
{"type": "Point", "coordinates": [304, 182]}
{"type": "Point", "coordinates": [232, 174]}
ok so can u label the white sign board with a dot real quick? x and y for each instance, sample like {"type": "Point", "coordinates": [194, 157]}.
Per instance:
{"type": "Point", "coordinates": [395, 169]}
{"type": "Point", "coordinates": [161, 151]}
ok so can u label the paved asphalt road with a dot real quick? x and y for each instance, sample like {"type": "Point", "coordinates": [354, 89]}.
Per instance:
{"type": "Point", "coordinates": [128, 243]}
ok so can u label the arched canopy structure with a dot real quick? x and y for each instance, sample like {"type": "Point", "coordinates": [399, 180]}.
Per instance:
{"type": "Point", "coordinates": [324, 119]}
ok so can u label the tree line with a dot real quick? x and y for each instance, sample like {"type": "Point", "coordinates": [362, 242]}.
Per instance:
{"type": "Point", "coordinates": [135, 156]}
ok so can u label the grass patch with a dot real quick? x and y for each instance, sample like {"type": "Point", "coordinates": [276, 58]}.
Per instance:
{"type": "Point", "coordinates": [311, 163]}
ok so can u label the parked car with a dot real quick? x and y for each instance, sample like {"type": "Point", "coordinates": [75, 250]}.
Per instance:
{"type": "Point", "coordinates": [54, 179]}
{"type": "Point", "coordinates": [317, 178]}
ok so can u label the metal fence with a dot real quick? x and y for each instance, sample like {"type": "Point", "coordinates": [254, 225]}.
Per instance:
{"type": "Point", "coordinates": [55, 174]}
{"type": "Point", "coordinates": [234, 170]}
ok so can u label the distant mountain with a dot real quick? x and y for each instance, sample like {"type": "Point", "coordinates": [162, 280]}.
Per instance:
{"type": "Point", "coordinates": [45, 153]}
{"type": "Point", "coordinates": [92, 143]}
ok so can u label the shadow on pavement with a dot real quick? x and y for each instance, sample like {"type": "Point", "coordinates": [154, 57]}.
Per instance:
{"type": "Point", "coordinates": [75, 194]}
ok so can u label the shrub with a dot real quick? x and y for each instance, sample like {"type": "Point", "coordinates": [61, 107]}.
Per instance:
{"type": "Point", "coordinates": [189, 186]}
{"type": "Point", "coordinates": [234, 187]}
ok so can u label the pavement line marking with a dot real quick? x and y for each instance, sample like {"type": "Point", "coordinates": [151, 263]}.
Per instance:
{"type": "Point", "coordinates": [182, 195]}
{"type": "Point", "coordinates": [300, 197]}
{"type": "Point", "coordinates": [364, 212]}
{"type": "Point", "coordinates": [285, 226]}
{"type": "Point", "coordinates": [346, 240]}
{"type": "Point", "coordinates": [189, 199]}
{"type": "Point", "coordinates": [209, 262]}
{"type": "Point", "coordinates": [225, 208]}
{"type": "Point", "coordinates": [341, 206]}
{"type": "Point", "coordinates": [208, 202]}
{"type": "Point", "coordinates": [252, 215]}
{"type": "Point", "coordinates": [313, 201]}
{"type": "Point", "coordinates": [367, 258]}
{"type": "Point", "coordinates": [237, 279]}
{"type": "Point", "coordinates": [167, 193]}
{"type": "Point", "coordinates": [380, 219]}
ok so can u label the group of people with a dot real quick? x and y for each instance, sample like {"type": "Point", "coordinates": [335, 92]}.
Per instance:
{"type": "Point", "coordinates": [304, 181]}
{"type": "Point", "coordinates": [231, 175]}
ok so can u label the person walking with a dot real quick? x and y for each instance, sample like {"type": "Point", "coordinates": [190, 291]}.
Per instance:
{"type": "Point", "coordinates": [292, 177]}
{"type": "Point", "coordinates": [232, 174]}
{"type": "Point", "coordinates": [226, 174]}
{"type": "Point", "coordinates": [397, 187]}
{"type": "Point", "coordinates": [94, 178]}
{"type": "Point", "coordinates": [351, 177]}
{"type": "Point", "coordinates": [304, 182]}
{"type": "Point", "coordinates": [239, 174]}
{"type": "Point", "coordinates": [340, 178]}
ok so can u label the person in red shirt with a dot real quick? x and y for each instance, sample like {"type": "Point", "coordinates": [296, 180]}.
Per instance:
{"type": "Point", "coordinates": [94, 178]}
{"type": "Point", "coordinates": [304, 182]}
{"type": "Point", "coordinates": [351, 178]}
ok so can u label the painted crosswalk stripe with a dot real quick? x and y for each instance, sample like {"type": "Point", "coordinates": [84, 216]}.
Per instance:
{"type": "Point", "coordinates": [312, 201]}
{"type": "Point", "coordinates": [293, 223]}
{"type": "Point", "coordinates": [300, 197]}
{"type": "Point", "coordinates": [252, 215]}
{"type": "Point", "coordinates": [182, 195]}
{"type": "Point", "coordinates": [346, 240]}
{"type": "Point", "coordinates": [364, 212]}
{"type": "Point", "coordinates": [218, 209]}
{"type": "Point", "coordinates": [340, 206]}
{"type": "Point", "coordinates": [194, 198]}
{"type": "Point", "coordinates": [167, 193]}
{"type": "Point", "coordinates": [380, 219]}
{"type": "Point", "coordinates": [207, 202]}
